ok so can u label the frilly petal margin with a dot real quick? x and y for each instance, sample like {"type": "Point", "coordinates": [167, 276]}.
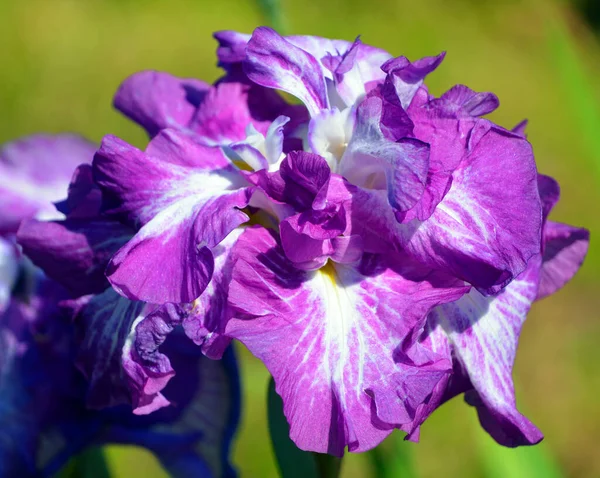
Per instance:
{"type": "Point", "coordinates": [484, 332]}
{"type": "Point", "coordinates": [274, 62]}
{"type": "Point", "coordinates": [328, 338]}
{"type": "Point", "coordinates": [186, 197]}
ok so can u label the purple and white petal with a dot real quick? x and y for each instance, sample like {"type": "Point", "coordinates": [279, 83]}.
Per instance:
{"type": "Point", "coordinates": [488, 225]}
{"type": "Point", "coordinates": [206, 321]}
{"type": "Point", "coordinates": [273, 62]}
{"type": "Point", "coordinates": [186, 197]}
{"type": "Point", "coordinates": [328, 338]}
{"type": "Point", "coordinates": [408, 76]}
{"type": "Point", "coordinates": [103, 326]}
{"type": "Point", "coordinates": [34, 173]}
{"type": "Point", "coordinates": [374, 162]}
{"type": "Point", "coordinates": [565, 248]}
{"type": "Point", "coordinates": [157, 100]}
{"type": "Point", "coordinates": [484, 333]}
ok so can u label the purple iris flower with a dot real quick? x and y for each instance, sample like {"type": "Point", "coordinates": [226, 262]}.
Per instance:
{"type": "Point", "coordinates": [77, 357]}
{"type": "Point", "coordinates": [395, 244]}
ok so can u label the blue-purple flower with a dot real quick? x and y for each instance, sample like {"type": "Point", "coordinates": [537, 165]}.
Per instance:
{"type": "Point", "coordinates": [79, 363]}
{"type": "Point", "coordinates": [378, 248]}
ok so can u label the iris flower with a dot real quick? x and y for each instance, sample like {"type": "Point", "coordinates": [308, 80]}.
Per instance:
{"type": "Point", "coordinates": [79, 363]}
{"type": "Point", "coordinates": [377, 247]}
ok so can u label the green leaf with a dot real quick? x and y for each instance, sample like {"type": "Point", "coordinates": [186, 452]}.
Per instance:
{"type": "Point", "coordinates": [293, 462]}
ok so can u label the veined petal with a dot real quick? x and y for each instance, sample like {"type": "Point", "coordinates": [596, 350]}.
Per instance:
{"type": "Point", "coordinates": [368, 59]}
{"type": "Point", "coordinates": [328, 338]}
{"type": "Point", "coordinates": [488, 224]}
{"type": "Point", "coordinates": [465, 100]}
{"type": "Point", "coordinates": [408, 76]}
{"type": "Point", "coordinates": [274, 62]}
{"type": "Point", "coordinates": [186, 197]}
{"type": "Point", "coordinates": [206, 322]}
{"type": "Point", "coordinates": [157, 100]}
{"type": "Point", "coordinates": [484, 333]}
{"type": "Point", "coordinates": [375, 162]}
{"type": "Point", "coordinates": [35, 172]}
{"type": "Point", "coordinates": [191, 437]}
{"type": "Point", "coordinates": [103, 325]}
{"type": "Point", "coordinates": [565, 248]}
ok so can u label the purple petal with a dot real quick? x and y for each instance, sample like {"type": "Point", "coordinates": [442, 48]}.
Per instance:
{"type": "Point", "coordinates": [484, 333]}
{"type": "Point", "coordinates": [35, 172]}
{"type": "Point", "coordinates": [464, 99]}
{"type": "Point", "coordinates": [74, 252]}
{"type": "Point", "coordinates": [232, 47]}
{"type": "Point", "coordinates": [229, 107]}
{"type": "Point", "coordinates": [274, 62]}
{"type": "Point", "coordinates": [408, 77]}
{"type": "Point", "coordinates": [205, 324]}
{"type": "Point", "coordinates": [157, 100]}
{"type": "Point", "coordinates": [103, 326]}
{"type": "Point", "coordinates": [375, 162]}
{"type": "Point", "coordinates": [187, 198]}
{"type": "Point", "coordinates": [328, 338]}
{"type": "Point", "coordinates": [488, 225]}
{"type": "Point", "coordinates": [565, 248]}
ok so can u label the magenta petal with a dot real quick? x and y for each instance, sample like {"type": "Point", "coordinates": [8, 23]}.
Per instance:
{"type": "Point", "coordinates": [465, 100]}
{"type": "Point", "coordinates": [328, 338]}
{"type": "Point", "coordinates": [157, 100]}
{"type": "Point", "coordinates": [407, 77]}
{"type": "Point", "coordinates": [206, 322]}
{"type": "Point", "coordinates": [484, 334]}
{"type": "Point", "coordinates": [274, 62]}
{"type": "Point", "coordinates": [186, 197]}
{"type": "Point", "coordinates": [565, 248]}
{"type": "Point", "coordinates": [488, 225]}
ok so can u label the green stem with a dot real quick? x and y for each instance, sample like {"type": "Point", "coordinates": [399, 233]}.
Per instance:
{"type": "Point", "coordinates": [328, 466]}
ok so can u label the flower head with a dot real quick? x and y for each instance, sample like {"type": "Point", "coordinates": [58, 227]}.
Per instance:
{"type": "Point", "coordinates": [378, 248]}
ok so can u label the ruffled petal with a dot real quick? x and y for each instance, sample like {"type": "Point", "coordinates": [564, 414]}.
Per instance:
{"type": "Point", "coordinates": [103, 326]}
{"type": "Point", "coordinates": [408, 76]}
{"type": "Point", "coordinates": [565, 248]}
{"type": "Point", "coordinates": [484, 334]}
{"type": "Point", "coordinates": [206, 322]}
{"type": "Point", "coordinates": [328, 338]}
{"type": "Point", "coordinates": [187, 198]}
{"type": "Point", "coordinates": [35, 172]}
{"type": "Point", "coordinates": [274, 62]}
{"type": "Point", "coordinates": [488, 224]}
{"type": "Point", "coordinates": [375, 162]}
{"type": "Point", "coordinates": [157, 100]}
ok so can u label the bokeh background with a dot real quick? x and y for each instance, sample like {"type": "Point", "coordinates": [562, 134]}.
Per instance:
{"type": "Point", "coordinates": [62, 60]}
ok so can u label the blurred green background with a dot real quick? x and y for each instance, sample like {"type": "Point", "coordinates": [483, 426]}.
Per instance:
{"type": "Point", "coordinates": [61, 61]}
